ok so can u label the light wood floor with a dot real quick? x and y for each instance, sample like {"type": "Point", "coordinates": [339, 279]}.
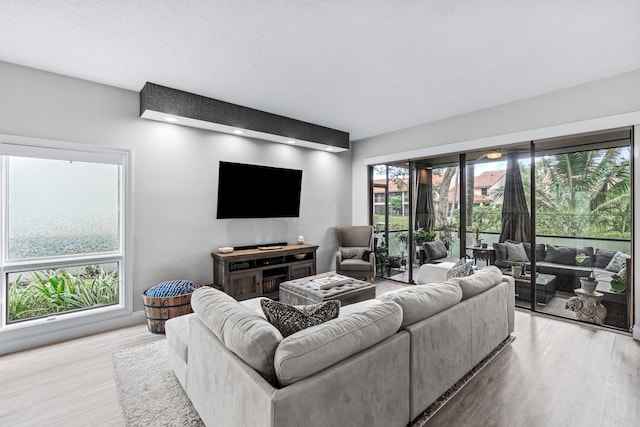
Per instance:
{"type": "Point", "coordinates": [554, 374]}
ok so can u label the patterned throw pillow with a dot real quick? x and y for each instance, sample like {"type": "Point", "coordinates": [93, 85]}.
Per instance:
{"type": "Point", "coordinates": [290, 319]}
{"type": "Point", "coordinates": [461, 268]}
{"type": "Point", "coordinates": [617, 263]}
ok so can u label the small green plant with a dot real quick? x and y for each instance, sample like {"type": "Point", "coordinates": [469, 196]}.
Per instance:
{"type": "Point", "coordinates": [618, 284]}
{"type": "Point", "coordinates": [580, 260]}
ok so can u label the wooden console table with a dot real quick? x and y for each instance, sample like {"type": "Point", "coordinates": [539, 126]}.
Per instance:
{"type": "Point", "coordinates": [250, 273]}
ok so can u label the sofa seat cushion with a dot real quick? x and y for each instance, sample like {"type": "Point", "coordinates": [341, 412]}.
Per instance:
{"type": "Point", "coordinates": [177, 331]}
{"type": "Point", "coordinates": [290, 319]}
{"type": "Point", "coordinates": [313, 349]}
{"type": "Point", "coordinates": [354, 264]}
{"type": "Point", "coordinates": [423, 301]}
{"type": "Point", "coordinates": [478, 282]}
{"type": "Point", "coordinates": [243, 331]}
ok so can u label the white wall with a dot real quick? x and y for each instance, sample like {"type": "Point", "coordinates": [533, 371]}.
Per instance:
{"type": "Point", "coordinates": [175, 174]}
{"type": "Point", "coordinates": [552, 114]}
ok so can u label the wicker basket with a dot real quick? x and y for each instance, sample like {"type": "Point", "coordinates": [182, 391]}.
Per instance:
{"type": "Point", "coordinates": [159, 310]}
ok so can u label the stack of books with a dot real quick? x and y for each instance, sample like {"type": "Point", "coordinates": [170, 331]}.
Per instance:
{"type": "Point", "coordinates": [329, 281]}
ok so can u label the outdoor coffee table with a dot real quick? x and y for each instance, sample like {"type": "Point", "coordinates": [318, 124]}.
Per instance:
{"type": "Point", "coordinates": [301, 292]}
{"type": "Point", "coordinates": [545, 289]}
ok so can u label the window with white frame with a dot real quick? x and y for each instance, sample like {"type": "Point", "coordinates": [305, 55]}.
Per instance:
{"type": "Point", "coordinates": [62, 242]}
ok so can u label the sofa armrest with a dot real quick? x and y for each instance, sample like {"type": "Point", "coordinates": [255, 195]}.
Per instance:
{"type": "Point", "coordinates": [433, 273]}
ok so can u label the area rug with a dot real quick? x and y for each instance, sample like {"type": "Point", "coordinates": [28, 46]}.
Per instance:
{"type": "Point", "coordinates": [447, 395]}
{"type": "Point", "coordinates": [148, 392]}
{"type": "Point", "coordinates": [150, 395]}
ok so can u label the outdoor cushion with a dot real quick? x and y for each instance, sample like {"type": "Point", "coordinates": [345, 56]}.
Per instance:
{"type": "Point", "coordinates": [567, 255]}
{"type": "Point", "coordinates": [244, 332]}
{"type": "Point", "coordinates": [478, 282]}
{"type": "Point", "coordinates": [516, 252]}
{"type": "Point", "coordinates": [435, 249]}
{"type": "Point", "coordinates": [617, 263]}
{"type": "Point", "coordinates": [421, 302]}
{"type": "Point", "coordinates": [603, 257]}
{"type": "Point", "coordinates": [501, 250]}
{"type": "Point", "coordinates": [316, 348]}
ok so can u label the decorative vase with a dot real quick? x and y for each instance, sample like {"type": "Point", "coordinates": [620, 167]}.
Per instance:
{"type": "Point", "coordinates": [516, 270]}
{"type": "Point", "coordinates": [589, 286]}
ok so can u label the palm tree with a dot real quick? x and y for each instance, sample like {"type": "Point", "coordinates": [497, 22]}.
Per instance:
{"type": "Point", "coordinates": [583, 193]}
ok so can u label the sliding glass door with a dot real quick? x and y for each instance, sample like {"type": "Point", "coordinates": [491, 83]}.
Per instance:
{"type": "Point", "coordinates": [551, 213]}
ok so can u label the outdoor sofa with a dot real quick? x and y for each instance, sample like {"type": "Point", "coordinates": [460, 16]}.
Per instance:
{"type": "Point", "coordinates": [561, 262]}
{"type": "Point", "coordinates": [382, 362]}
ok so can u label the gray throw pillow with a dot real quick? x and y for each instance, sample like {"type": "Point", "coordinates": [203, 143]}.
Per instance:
{"type": "Point", "coordinates": [435, 249]}
{"type": "Point", "coordinates": [516, 252]}
{"type": "Point", "coordinates": [289, 319]}
{"type": "Point", "coordinates": [461, 268]}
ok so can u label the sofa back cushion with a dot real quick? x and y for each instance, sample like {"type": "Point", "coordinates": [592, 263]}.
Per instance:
{"type": "Point", "coordinates": [567, 255]}
{"type": "Point", "coordinates": [478, 282]}
{"type": "Point", "coordinates": [243, 331]}
{"type": "Point", "coordinates": [602, 257]}
{"type": "Point", "coordinates": [423, 301]}
{"type": "Point", "coordinates": [311, 350]}
{"type": "Point", "coordinates": [435, 249]}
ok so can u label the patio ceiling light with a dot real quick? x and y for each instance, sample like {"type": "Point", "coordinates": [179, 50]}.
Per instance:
{"type": "Point", "coordinates": [494, 155]}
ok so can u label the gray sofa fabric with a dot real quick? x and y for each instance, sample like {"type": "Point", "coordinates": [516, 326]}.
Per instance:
{"type": "Point", "coordinates": [369, 370]}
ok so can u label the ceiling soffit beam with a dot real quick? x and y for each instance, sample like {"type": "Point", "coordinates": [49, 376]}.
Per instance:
{"type": "Point", "coordinates": [183, 108]}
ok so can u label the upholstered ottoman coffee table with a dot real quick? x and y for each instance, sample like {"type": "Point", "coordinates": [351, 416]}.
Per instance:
{"type": "Point", "coordinates": [302, 292]}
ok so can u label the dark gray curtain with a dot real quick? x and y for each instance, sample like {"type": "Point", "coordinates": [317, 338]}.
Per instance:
{"type": "Point", "coordinates": [425, 212]}
{"type": "Point", "coordinates": [516, 221]}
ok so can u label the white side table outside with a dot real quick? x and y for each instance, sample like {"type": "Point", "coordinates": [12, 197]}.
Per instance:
{"type": "Point", "coordinates": [588, 306]}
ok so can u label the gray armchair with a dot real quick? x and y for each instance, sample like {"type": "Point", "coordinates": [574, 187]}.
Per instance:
{"type": "Point", "coordinates": [355, 256]}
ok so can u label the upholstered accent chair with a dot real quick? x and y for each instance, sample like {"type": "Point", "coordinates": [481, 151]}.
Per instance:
{"type": "Point", "coordinates": [355, 256]}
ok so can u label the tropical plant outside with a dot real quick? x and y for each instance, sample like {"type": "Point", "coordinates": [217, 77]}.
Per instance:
{"type": "Point", "coordinates": [43, 293]}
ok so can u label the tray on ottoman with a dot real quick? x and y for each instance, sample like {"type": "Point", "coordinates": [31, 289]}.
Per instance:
{"type": "Point", "coordinates": [302, 291]}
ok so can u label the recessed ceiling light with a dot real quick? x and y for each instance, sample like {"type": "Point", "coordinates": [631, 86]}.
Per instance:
{"type": "Point", "coordinates": [238, 132]}
{"type": "Point", "coordinates": [329, 149]}
{"type": "Point", "coordinates": [291, 141]}
{"type": "Point", "coordinates": [171, 119]}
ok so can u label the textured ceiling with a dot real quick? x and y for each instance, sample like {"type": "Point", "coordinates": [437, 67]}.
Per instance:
{"type": "Point", "coordinates": [361, 66]}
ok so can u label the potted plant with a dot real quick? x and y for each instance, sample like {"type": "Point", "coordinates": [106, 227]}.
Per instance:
{"type": "Point", "coordinates": [517, 268]}
{"type": "Point", "coordinates": [618, 284]}
{"type": "Point", "coordinates": [587, 284]}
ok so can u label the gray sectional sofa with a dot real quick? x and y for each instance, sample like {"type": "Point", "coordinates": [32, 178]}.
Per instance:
{"type": "Point", "coordinates": [382, 362]}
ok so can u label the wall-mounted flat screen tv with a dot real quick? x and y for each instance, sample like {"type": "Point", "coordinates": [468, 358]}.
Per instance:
{"type": "Point", "coordinates": [252, 191]}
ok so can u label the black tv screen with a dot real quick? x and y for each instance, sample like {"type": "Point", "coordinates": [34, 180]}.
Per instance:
{"type": "Point", "coordinates": [252, 191]}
